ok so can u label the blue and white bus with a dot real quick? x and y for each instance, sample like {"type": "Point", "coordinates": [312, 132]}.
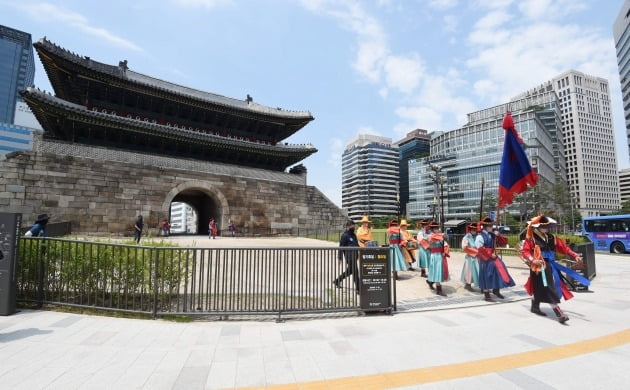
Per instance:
{"type": "Point", "coordinates": [609, 233]}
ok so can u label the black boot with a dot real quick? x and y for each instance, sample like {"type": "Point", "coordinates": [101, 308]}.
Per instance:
{"type": "Point", "coordinates": [468, 287]}
{"type": "Point", "coordinates": [430, 285]}
{"type": "Point", "coordinates": [498, 293]}
{"type": "Point", "coordinates": [487, 297]}
{"type": "Point", "coordinates": [536, 308]}
{"type": "Point", "coordinates": [337, 283]}
{"type": "Point", "coordinates": [562, 318]}
{"type": "Point", "coordinates": [439, 290]}
{"type": "Point", "coordinates": [423, 273]}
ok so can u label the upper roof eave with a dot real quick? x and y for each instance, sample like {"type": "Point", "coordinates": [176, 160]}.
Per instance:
{"type": "Point", "coordinates": [125, 74]}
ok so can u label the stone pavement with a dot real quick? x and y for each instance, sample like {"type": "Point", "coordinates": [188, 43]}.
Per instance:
{"type": "Point", "coordinates": [489, 346]}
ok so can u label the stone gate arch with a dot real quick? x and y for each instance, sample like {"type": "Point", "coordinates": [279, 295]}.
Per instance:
{"type": "Point", "coordinates": [207, 200]}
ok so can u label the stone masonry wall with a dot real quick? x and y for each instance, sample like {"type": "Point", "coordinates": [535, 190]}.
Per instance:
{"type": "Point", "coordinates": [104, 197]}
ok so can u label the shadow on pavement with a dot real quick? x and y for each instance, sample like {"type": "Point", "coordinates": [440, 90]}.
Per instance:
{"type": "Point", "coordinates": [21, 333]}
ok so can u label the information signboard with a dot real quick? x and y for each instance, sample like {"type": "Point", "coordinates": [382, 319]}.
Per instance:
{"type": "Point", "coordinates": [375, 279]}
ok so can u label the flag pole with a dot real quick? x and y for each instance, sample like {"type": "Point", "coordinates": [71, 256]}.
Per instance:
{"type": "Point", "coordinates": [481, 200]}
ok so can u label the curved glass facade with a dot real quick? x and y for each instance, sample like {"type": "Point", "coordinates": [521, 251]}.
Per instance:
{"type": "Point", "coordinates": [466, 156]}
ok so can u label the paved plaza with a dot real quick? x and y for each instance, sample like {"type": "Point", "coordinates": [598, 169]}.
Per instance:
{"type": "Point", "coordinates": [431, 342]}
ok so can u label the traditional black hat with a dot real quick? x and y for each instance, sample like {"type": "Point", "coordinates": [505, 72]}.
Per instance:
{"type": "Point", "coordinates": [42, 218]}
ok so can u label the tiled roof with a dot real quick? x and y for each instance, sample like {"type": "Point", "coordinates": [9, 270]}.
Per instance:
{"type": "Point", "coordinates": [32, 95]}
{"type": "Point", "coordinates": [122, 72]}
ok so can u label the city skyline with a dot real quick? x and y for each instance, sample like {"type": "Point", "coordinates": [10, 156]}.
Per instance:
{"type": "Point", "coordinates": [382, 67]}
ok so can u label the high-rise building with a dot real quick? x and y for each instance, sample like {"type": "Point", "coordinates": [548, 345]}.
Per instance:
{"type": "Point", "coordinates": [416, 144]}
{"type": "Point", "coordinates": [589, 141]}
{"type": "Point", "coordinates": [621, 33]}
{"type": "Point", "coordinates": [448, 184]}
{"type": "Point", "coordinates": [369, 177]}
{"type": "Point", "coordinates": [17, 69]}
{"type": "Point", "coordinates": [183, 218]}
{"type": "Point", "coordinates": [624, 184]}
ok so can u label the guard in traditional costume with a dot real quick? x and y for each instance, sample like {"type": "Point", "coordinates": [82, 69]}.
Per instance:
{"type": "Point", "coordinates": [423, 247]}
{"type": "Point", "coordinates": [364, 233]}
{"type": "Point", "coordinates": [493, 274]}
{"type": "Point", "coordinates": [545, 283]}
{"type": "Point", "coordinates": [408, 244]}
{"type": "Point", "coordinates": [438, 254]}
{"type": "Point", "coordinates": [397, 259]}
{"type": "Point", "coordinates": [470, 269]}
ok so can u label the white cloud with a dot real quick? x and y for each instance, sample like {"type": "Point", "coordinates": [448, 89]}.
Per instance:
{"type": "Point", "coordinates": [403, 73]}
{"type": "Point", "coordinates": [53, 13]}
{"type": "Point", "coordinates": [521, 57]}
{"type": "Point", "coordinates": [548, 9]}
{"type": "Point", "coordinates": [203, 3]}
{"type": "Point", "coordinates": [450, 23]}
{"type": "Point", "coordinates": [372, 42]}
{"type": "Point", "coordinates": [494, 4]}
{"type": "Point", "coordinates": [336, 147]}
{"type": "Point", "coordinates": [493, 20]}
{"type": "Point", "coordinates": [442, 4]}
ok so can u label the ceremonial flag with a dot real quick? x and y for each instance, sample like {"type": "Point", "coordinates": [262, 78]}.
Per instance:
{"type": "Point", "coordinates": [515, 172]}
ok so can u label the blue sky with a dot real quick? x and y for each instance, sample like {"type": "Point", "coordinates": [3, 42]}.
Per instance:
{"type": "Point", "coordinates": [382, 66]}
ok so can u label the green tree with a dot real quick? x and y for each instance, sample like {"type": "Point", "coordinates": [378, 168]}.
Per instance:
{"type": "Point", "coordinates": [625, 208]}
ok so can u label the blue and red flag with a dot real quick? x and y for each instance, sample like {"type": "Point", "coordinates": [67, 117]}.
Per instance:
{"type": "Point", "coordinates": [516, 173]}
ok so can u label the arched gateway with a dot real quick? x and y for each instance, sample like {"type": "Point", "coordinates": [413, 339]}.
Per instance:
{"type": "Point", "coordinates": [207, 201]}
{"type": "Point", "coordinates": [118, 143]}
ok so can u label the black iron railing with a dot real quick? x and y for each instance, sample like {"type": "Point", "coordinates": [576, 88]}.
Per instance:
{"type": "Point", "coordinates": [167, 280]}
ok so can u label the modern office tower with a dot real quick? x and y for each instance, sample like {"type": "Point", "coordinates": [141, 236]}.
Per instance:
{"type": "Point", "coordinates": [369, 177]}
{"type": "Point", "coordinates": [589, 141]}
{"type": "Point", "coordinates": [17, 69]}
{"type": "Point", "coordinates": [416, 144]}
{"type": "Point", "coordinates": [621, 33]}
{"type": "Point", "coordinates": [183, 218]}
{"type": "Point", "coordinates": [624, 184]}
{"type": "Point", "coordinates": [447, 185]}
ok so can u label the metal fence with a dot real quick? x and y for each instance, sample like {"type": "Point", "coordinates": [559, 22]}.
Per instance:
{"type": "Point", "coordinates": [327, 234]}
{"type": "Point", "coordinates": [191, 281]}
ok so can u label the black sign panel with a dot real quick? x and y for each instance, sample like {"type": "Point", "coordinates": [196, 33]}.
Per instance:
{"type": "Point", "coordinates": [375, 279]}
{"type": "Point", "coordinates": [9, 239]}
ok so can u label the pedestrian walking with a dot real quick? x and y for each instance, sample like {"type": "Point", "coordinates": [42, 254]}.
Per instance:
{"type": "Point", "coordinates": [39, 227]}
{"type": "Point", "coordinates": [232, 229]}
{"type": "Point", "coordinates": [394, 238]}
{"type": "Point", "coordinates": [438, 255]}
{"type": "Point", "coordinates": [470, 270]}
{"type": "Point", "coordinates": [408, 244]}
{"type": "Point", "coordinates": [423, 247]}
{"type": "Point", "coordinates": [212, 229]}
{"type": "Point", "coordinates": [349, 240]}
{"type": "Point", "coordinates": [138, 226]}
{"type": "Point", "coordinates": [364, 233]}
{"type": "Point", "coordinates": [545, 283]}
{"type": "Point", "coordinates": [493, 274]}
{"type": "Point", "coordinates": [166, 228]}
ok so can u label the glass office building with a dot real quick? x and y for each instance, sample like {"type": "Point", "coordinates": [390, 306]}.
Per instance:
{"type": "Point", "coordinates": [462, 159]}
{"type": "Point", "coordinates": [621, 33]}
{"type": "Point", "coordinates": [17, 69]}
{"type": "Point", "coordinates": [416, 144]}
{"type": "Point", "coordinates": [369, 177]}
